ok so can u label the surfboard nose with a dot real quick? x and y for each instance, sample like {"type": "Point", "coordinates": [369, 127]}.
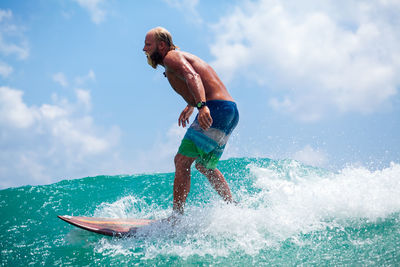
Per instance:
{"type": "Point", "coordinates": [117, 227]}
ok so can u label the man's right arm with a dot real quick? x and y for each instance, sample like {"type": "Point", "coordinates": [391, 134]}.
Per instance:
{"type": "Point", "coordinates": [177, 62]}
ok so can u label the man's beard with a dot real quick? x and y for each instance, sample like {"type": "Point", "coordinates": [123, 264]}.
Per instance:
{"type": "Point", "coordinates": [154, 59]}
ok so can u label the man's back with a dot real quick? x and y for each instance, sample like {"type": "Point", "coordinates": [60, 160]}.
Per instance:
{"type": "Point", "coordinates": [213, 86]}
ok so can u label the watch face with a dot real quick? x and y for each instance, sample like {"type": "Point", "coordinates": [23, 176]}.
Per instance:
{"type": "Point", "coordinates": [200, 105]}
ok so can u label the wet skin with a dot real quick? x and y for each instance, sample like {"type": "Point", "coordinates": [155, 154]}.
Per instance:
{"type": "Point", "coordinates": [195, 81]}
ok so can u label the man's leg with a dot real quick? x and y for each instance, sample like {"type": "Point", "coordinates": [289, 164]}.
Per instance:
{"type": "Point", "coordinates": [181, 182]}
{"type": "Point", "coordinates": [217, 181]}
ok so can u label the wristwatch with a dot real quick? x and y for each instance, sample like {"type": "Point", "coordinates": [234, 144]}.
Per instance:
{"type": "Point", "coordinates": [200, 105]}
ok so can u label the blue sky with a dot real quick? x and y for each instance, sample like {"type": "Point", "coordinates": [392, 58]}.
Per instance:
{"type": "Point", "coordinates": [314, 81]}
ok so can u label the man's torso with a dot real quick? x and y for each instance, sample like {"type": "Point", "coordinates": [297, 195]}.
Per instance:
{"type": "Point", "coordinates": [213, 86]}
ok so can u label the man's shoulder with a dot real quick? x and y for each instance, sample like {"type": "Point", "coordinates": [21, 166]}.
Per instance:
{"type": "Point", "coordinates": [175, 57]}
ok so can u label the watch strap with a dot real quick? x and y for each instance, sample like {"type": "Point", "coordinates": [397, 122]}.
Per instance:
{"type": "Point", "coordinates": [200, 105]}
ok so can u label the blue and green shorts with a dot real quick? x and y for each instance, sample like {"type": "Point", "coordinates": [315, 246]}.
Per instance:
{"type": "Point", "coordinates": [208, 145]}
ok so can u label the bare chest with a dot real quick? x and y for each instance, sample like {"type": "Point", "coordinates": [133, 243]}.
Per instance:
{"type": "Point", "coordinates": [180, 86]}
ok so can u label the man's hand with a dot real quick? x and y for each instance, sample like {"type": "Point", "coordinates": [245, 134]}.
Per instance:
{"type": "Point", "coordinates": [185, 115]}
{"type": "Point", "coordinates": [204, 118]}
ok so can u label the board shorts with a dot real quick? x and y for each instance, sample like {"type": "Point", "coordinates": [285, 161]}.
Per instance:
{"type": "Point", "coordinates": [208, 145]}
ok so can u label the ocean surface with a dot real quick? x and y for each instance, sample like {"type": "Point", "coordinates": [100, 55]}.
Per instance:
{"type": "Point", "coordinates": [288, 214]}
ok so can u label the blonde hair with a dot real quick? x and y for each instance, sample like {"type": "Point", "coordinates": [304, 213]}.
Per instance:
{"type": "Point", "coordinates": [161, 34]}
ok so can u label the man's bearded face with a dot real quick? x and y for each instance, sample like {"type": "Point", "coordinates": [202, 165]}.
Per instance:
{"type": "Point", "coordinates": [154, 59]}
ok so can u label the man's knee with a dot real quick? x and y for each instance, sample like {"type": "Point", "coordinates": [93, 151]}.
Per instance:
{"type": "Point", "coordinates": [182, 161]}
{"type": "Point", "coordinates": [199, 167]}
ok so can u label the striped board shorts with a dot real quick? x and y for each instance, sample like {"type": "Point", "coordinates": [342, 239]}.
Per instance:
{"type": "Point", "coordinates": [208, 145]}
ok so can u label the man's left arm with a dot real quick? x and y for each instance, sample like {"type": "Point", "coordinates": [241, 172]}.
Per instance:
{"type": "Point", "coordinates": [185, 115]}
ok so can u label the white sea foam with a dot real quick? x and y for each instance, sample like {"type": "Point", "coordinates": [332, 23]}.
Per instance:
{"type": "Point", "coordinates": [126, 207]}
{"type": "Point", "coordinates": [307, 203]}
{"type": "Point", "coordinates": [282, 204]}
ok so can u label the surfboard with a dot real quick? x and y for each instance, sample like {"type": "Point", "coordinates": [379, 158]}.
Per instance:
{"type": "Point", "coordinates": [107, 226]}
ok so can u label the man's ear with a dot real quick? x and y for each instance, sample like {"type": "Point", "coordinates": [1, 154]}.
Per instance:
{"type": "Point", "coordinates": [161, 45]}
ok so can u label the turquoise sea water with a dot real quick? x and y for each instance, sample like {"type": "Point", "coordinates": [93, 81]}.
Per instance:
{"type": "Point", "coordinates": [288, 214]}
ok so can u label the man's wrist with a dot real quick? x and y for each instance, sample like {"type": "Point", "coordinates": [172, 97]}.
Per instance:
{"type": "Point", "coordinates": [201, 105]}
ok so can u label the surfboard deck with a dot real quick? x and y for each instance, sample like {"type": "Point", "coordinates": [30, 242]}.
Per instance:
{"type": "Point", "coordinates": [107, 226]}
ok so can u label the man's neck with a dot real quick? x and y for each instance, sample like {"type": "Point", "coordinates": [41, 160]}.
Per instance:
{"type": "Point", "coordinates": [163, 54]}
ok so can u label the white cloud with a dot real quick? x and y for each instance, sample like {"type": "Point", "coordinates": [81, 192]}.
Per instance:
{"type": "Point", "coordinates": [9, 34]}
{"type": "Point", "coordinates": [84, 98]}
{"type": "Point", "coordinates": [5, 14]}
{"type": "Point", "coordinates": [53, 141]}
{"type": "Point", "coordinates": [12, 42]}
{"type": "Point", "coordinates": [95, 9]}
{"type": "Point", "coordinates": [316, 57]}
{"type": "Point", "coordinates": [91, 76]}
{"type": "Point", "coordinates": [163, 151]}
{"type": "Point", "coordinates": [60, 78]}
{"type": "Point", "coordinates": [13, 111]}
{"type": "Point", "coordinates": [5, 69]}
{"type": "Point", "coordinates": [310, 156]}
{"type": "Point", "coordinates": [20, 50]}
{"type": "Point", "coordinates": [188, 7]}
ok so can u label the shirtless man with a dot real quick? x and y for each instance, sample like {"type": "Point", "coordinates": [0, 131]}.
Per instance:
{"type": "Point", "coordinates": [206, 138]}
